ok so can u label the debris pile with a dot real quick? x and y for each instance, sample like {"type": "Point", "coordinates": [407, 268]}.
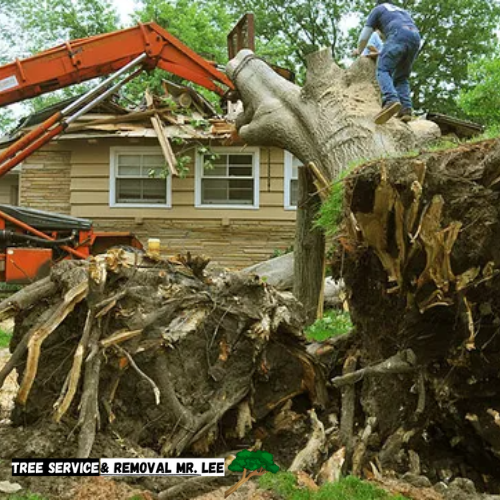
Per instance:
{"type": "Point", "coordinates": [151, 349]}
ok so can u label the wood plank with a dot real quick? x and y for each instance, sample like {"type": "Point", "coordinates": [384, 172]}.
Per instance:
{"type": "Point", "coordinates": [165, 145]}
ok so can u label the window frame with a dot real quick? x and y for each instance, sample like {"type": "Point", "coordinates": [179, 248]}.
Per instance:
{"type": "Point", "coordinates": [141, 150]}
{"type": "Point", "coordinates": [288, 181]}
{"type": "Point", "coordinates": [255, 151]}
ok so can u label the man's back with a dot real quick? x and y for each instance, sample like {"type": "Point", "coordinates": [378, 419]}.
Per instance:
{"type": "Point", "coordinates": [387, 17]}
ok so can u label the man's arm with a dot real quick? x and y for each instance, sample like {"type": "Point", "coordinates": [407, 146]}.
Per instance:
{"type": "Point", "coordinates": [371, 25]}
{"type": "Point", "coordinates": [364, 37]}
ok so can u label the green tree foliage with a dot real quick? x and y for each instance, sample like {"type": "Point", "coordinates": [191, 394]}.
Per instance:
{"type": "Point", "coordinates": [289, 30]}
{"type": "Point", "coordinates": [7, 120]}
{"type": "Point", "coordinates": [45, 23]}
{"type": "Point", "coordinates": [202, 25]}
{"type": "Point", "coordinates": [482, 100]}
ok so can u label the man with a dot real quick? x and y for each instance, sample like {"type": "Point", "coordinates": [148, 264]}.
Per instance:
{"type": "Point", "coordinates": [402, 43]}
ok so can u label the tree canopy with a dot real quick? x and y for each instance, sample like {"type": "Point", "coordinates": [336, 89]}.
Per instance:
{"type": "Point", "coordinates": [481, 100]}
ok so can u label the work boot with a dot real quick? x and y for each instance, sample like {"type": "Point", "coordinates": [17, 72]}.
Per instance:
{"type": "Point", "coordinates": [405, 115]}
{"type": "Point", "coordinates": [388, 111]}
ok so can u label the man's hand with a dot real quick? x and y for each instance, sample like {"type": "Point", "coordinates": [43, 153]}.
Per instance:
{"type": "Point", "coordinates": [356, 52]}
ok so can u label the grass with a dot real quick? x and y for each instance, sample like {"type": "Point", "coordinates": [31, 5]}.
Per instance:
{"type": "Point", "coordinates": [332, 324]}
{"type": "Point", "coordinates": [284, 484]}
{"type": "Point", "coordinates": [4, 339]}
{"type": "Point", "coordinates": [25, 496]}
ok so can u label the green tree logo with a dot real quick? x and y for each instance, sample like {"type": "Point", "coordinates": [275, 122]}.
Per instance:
{"type": "Point", "coordinates": [251, 463]}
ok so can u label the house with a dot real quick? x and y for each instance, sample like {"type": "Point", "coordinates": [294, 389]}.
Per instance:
{"type": "Point", "coordinates": [235, 204]}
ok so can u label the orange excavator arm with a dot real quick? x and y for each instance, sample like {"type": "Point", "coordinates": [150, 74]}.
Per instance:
{"type": "Point", "coordinates": [146, 46]}
{"type": "Point", "coordinates": [81, 60]}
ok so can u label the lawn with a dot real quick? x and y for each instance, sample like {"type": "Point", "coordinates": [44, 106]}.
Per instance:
{"type": "Point", "coordinates": [349, 488]}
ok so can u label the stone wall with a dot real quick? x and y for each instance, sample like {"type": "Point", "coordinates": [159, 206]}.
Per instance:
{"type": "Point", "coordinates": [45, 181]}
{"type": "Point", "coordinates": [237, 244]}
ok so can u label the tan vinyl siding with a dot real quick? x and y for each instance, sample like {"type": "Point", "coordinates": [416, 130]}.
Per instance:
{"type": "Point", "coordinates": [90, 182]}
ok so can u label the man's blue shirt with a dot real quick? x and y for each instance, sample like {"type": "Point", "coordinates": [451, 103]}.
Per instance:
{"type": "Point", "coordinates": [387, 17]}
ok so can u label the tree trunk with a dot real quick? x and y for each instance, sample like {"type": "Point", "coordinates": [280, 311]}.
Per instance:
{"type": "Point", "coordinates": [330, 121]}
{"type": "Point", "coordinates": [309, 249]}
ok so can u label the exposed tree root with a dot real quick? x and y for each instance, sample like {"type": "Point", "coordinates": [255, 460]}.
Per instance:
{"type": "Point", "coordinates": [159, 350]}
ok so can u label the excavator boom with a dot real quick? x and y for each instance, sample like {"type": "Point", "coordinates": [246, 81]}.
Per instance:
{"type": "Point", "coordinates": [81, 60]}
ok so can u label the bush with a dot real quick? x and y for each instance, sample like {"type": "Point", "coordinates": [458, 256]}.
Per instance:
{"type": "Point", "coordinates": [332, 324]}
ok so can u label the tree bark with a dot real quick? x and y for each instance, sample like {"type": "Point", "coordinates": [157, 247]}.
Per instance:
{"type": "Point", "coordinates": [309, 261]}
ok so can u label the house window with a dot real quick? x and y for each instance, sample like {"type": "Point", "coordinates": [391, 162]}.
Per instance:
{"type": "Point", "coordinates": [291, 187]}
{"type": "Point", "coordinates": [138, 178]}
{"type": "Point", "coordinates": [231, 180]}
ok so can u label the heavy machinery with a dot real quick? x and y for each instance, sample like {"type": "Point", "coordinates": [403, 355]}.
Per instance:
{"type": "Point", "coordinates": [30, 240]}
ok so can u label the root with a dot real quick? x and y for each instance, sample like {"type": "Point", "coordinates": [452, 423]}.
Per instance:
{"type": "Point", "coordinates": [308, 458]}
{"type": "Point", "coordinates": [42, 331]}
{"type": "Point", "coordinates": [26, 298]}
{"type": "Point", "coordinates": [403, 362]}
{"type": "Point", "coordinates": [89, 412]}
{"type": "Point", "coordinates": [67, 395]}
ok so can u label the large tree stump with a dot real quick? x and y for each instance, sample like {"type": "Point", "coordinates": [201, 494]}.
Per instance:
{"type": "Point", "coordinates": [422, 259]}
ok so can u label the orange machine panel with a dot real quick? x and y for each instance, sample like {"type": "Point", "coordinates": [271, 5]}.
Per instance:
{"type": "Point", "coordinates": [25, 265]}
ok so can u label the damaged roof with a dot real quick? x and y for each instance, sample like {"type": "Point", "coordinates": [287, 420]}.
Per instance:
{"type": "Point", "coordinates": [180, 113]}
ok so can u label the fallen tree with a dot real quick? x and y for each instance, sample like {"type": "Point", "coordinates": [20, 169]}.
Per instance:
{"type": "Point", "coordinates": [327, 124]}
{"type": "Point", "coordinates": [153, 350]}
{"type": "Point", "coordinates": [279, 273]}
{"type": "Point", "coordinates": [419, 380]}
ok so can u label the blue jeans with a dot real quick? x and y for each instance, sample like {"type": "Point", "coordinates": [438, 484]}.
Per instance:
{"type": "Point", "coordinates": [395, 64]}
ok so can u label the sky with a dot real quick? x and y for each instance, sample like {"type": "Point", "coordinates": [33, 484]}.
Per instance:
{"type": "Point", "coordinates": [124, 8]}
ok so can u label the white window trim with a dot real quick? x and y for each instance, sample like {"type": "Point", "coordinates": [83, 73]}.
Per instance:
{"type": "Point", "coordinates": [287, 181]}
{"type": "Point", "coordinates": [113, 152]}
{"type": "Point", "coordinates": [256, 178]}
